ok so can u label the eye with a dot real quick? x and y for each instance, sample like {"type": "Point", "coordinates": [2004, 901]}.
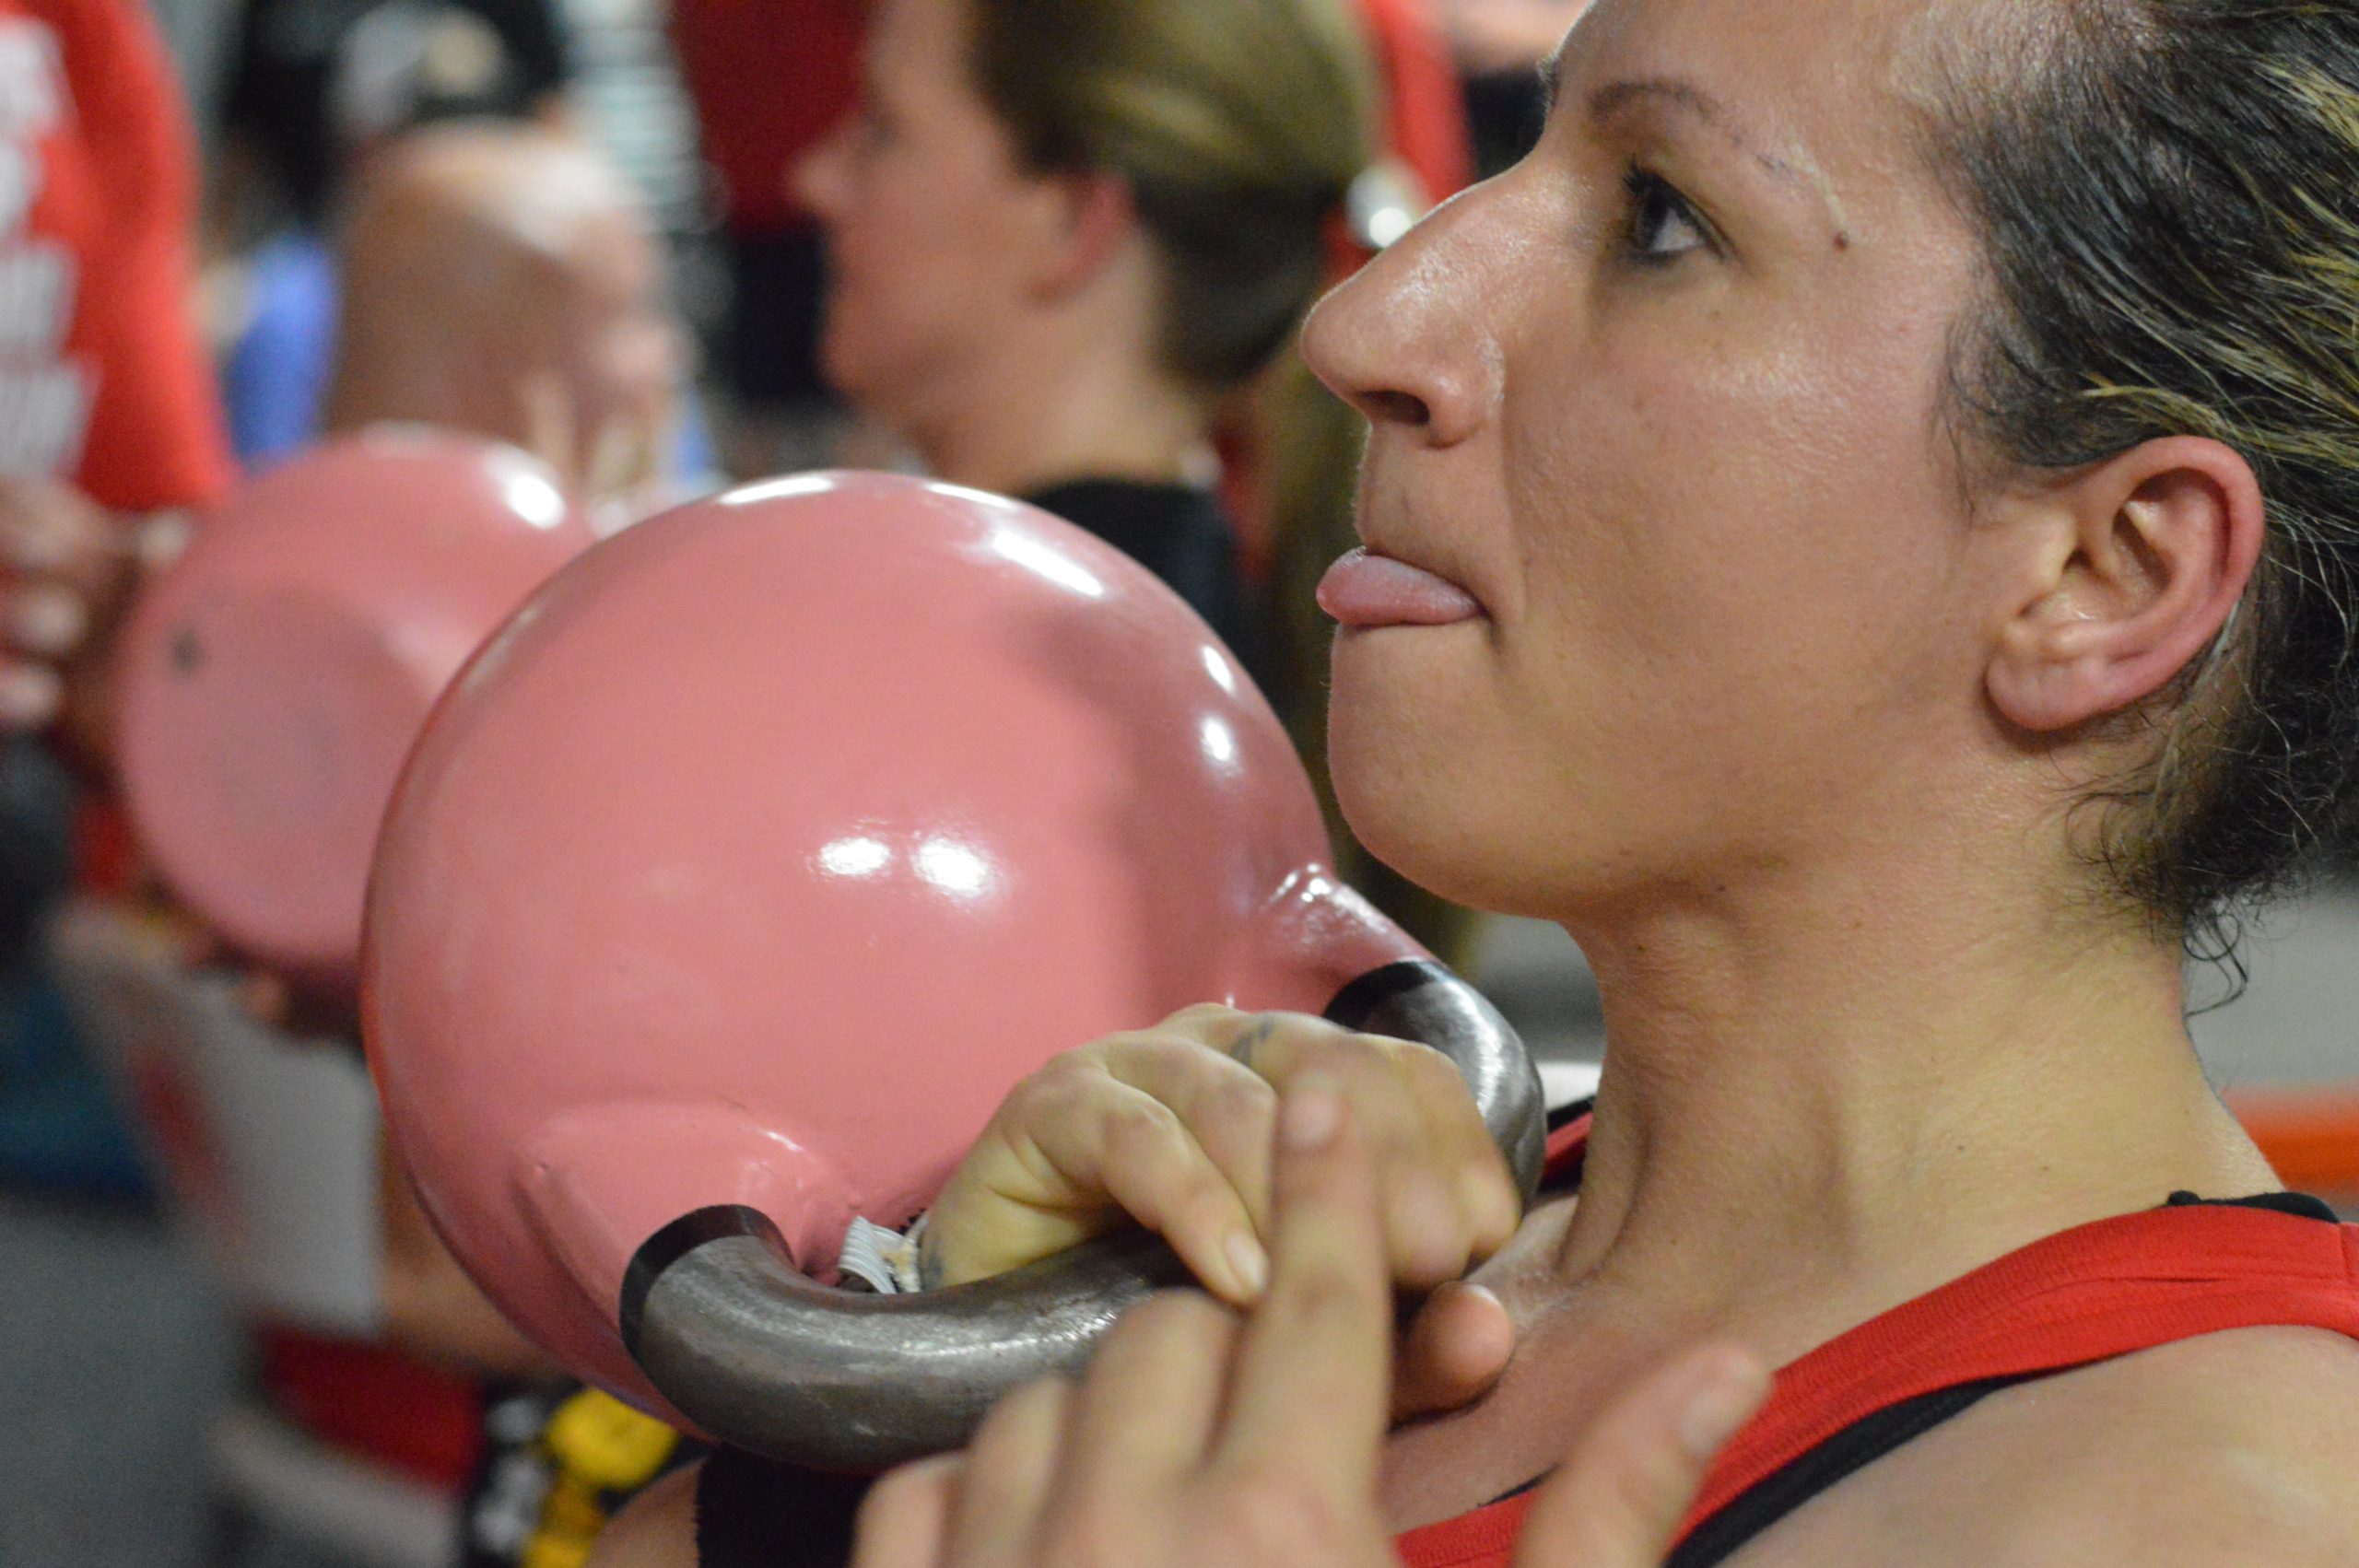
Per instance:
{"type": "Point", "coordinates": [1664, 225]}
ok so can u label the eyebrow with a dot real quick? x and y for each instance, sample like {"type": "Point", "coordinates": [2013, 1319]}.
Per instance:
{"type": "Point", "coordinates": [1689, 99]}
{"type": "Point", "coordinates": [1613, 98]}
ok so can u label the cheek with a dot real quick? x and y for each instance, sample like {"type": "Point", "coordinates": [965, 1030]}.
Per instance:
{"type": "Point", "coordinates": [911, 258]}
{"type": "Point", "coordinates": [1745, 528]}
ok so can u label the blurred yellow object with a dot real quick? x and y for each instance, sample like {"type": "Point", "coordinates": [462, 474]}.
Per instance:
{"type": "Point", "coordinates": [602, 1447]}
{"type": "Point", "coordinates": [606, 1445]}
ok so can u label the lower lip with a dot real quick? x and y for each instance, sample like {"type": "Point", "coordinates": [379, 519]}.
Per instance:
{"type": "Point", "coordinates": [1364, 592]}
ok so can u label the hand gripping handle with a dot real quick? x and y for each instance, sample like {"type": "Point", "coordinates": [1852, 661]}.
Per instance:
{"type": "Point", "coordinates": [760, 1356]}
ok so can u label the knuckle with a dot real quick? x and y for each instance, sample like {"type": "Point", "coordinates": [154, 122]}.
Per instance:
{"type": "Point", "coordinates": [1343, 1059]}
{"type": "Point", "coordinates": [1136, 1124]}
{"type": "Point", "coordinates": [1061, 1074]}
{"type": "Point", "coordinates": [1202, 1014]}
{"type": "Point", "coordinates": [1275, 1041]}
{"type": "Point", "coordinates": [1180, 1056]}
{"type": "Point", "coordinates": [1430, 1072]}
{"type": "Point", "coordinates": [1239, 1102]}
{"type": "Point", "coordinates": [1271, 1520]}
{"type": "Point", "coordinates": [1319, 1292]}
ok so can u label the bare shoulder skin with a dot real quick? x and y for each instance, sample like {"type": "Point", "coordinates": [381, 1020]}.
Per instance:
{"type": "Point", "coordinates": [2230, 1450]}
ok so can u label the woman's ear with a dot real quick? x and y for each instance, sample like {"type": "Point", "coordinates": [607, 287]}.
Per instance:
{"type": "Point", "coordinates": [1090, 218]}
{"type": "Point", "coordinates": [2147, 557]}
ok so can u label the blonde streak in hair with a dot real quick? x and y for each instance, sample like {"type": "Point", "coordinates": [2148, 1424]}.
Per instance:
{"type": "Point", "coordinates": [2312, 422]}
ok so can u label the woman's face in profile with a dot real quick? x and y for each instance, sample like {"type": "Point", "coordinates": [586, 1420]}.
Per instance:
{"type": "Point", "coordinates": [1667, 399]}
{"type": "Point", "coordinates": [925, 210]}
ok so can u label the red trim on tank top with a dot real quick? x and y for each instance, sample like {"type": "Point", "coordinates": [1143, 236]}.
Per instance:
{"type": "Point", "coordinates": [2091, 1294]}
{"type": "Point", "coordinates": [1567, 1149]}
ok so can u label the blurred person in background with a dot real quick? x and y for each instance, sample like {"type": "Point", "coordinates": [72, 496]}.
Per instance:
{"type": "Point", "coordinates": [503, 280]}
{"type": "Point", "coordinates": [316, 88]}
{"type": "Point", "coordinates": [107, 417]}
{"type": "Point", "coordinates": [500, 280]}
{"type": "Point", "coordinates": [1068, 242]}
{"type": "Point", "coordinates": [1062, 235]}
{"type": "Point", "coordinates": [768, 82]}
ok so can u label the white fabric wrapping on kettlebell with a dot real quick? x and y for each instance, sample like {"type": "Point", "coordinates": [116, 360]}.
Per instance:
{"type": "Point", "coordinates": [886, 1260]}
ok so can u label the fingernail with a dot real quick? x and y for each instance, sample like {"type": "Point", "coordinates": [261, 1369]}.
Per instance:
{"type": "Point", "coordinates": [1724, 1403]}
{"type": "Point", "coordinates": [1251, 1263]}
{"type": "Point", "coordinates": [1312, 1113]}
{"type": "Point", "coordinates": [47, 620]}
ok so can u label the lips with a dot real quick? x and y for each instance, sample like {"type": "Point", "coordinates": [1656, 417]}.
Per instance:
{"type": "Point", "coordinates": [1365, 591]}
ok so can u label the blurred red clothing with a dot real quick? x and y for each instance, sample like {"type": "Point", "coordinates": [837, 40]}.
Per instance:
{"type": "Point", "coordinates": [101, 378]}
{"type": "Point", "coordinates": [769, 78]}
{"type": "Point", "coordinates": [1426, 106]}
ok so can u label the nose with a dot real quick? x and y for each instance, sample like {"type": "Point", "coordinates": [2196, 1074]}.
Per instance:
{"type": "Point", "coordinates": [1406, 340]}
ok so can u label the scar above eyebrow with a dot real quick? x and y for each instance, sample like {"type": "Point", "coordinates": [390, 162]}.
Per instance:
{"type": "Point", "coordinates": [1616, 97]}
{"type": "Point", "coordinates": [1687, 98]}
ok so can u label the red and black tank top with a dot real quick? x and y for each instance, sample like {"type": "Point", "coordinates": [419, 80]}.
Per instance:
{"type": "Point", "coordinates": [2132, 1283]}
{"type": "Point", "coordinates": [2188, 1269]}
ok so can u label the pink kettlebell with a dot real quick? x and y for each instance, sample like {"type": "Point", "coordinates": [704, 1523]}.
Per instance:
{"type": "Point", "coordinates": [740, 877]}
{"type": "Point", "coordinates": [273, 677]}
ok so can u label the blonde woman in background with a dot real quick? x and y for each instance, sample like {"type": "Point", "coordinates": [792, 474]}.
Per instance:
{"type": "Point", "coordinates": [1066, 238]}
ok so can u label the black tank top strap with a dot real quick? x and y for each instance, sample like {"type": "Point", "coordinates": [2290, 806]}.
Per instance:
{"type": "Point", "coordinates": [1844, 1455]}
{"type": "Point", "coordinates": [1869, 1439]}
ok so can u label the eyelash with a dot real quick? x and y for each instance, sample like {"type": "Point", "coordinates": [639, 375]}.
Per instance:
{"type": "Point", "coordinates": [1652, 196]}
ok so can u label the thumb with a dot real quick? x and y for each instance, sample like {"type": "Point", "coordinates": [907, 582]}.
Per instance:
{"type": "Point", "coordinates": [1619, 1500]}
{"type": "Point", "coordinates": [1455, 1348]}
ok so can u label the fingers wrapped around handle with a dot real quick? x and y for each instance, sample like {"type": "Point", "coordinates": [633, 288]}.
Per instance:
{"type": "Point", "coordinates": [758, 1355]}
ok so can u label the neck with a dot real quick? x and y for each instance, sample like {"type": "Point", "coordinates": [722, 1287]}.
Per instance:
{"type": "Point", "coordinates": [1850, 1098]}
{"type": "Point", "coordinates": [1028, 420]}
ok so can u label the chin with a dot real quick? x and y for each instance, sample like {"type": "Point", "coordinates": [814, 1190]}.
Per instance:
{"type": "Point", "coordinates": [1407, 799]}
{"type": "Point", "coordinates": [1431, 785]}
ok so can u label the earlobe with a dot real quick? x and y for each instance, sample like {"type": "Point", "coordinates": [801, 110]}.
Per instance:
{"type": "Point", "coordinates": [2163, 540]}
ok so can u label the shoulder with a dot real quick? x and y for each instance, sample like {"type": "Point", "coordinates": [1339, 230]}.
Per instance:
{"type": "Point", "coordinates": [658, 1530]}
{"type": "Point", "coordinates": [2217, 1452]}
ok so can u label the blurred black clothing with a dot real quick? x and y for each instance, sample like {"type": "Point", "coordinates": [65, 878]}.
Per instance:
{"type": "Point", "coordinates": [767, 350]}
{"type": "Point", "coordinates": [1182, 534]}
{"type": "Point", "coordinates": [757, 1513]}
{"type": "Point", "coordinates": [36, 846]}
{"type": "Point", "coordinates": [1506, 110]}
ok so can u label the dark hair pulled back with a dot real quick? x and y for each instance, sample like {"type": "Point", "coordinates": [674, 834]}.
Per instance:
{"type": "Point", "coordinates": [2169, 191]}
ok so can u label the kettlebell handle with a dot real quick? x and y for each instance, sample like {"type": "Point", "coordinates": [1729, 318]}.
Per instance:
{"type": "Point", "coordinates": [761, 1357]}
